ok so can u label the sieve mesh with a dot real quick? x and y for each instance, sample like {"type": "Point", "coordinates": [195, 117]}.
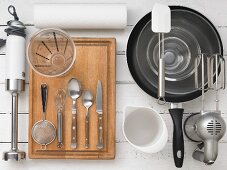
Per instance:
{"type": "Point", "coordinates": [43, 132]}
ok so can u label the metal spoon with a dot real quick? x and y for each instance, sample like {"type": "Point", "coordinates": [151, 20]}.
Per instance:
{"type": "Point", "coordinates": [87, 102]}
{"type": "Point", "coordinates": [74, 91]}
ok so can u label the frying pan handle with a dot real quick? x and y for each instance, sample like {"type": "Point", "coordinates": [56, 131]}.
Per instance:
{"type": "Point", "coordinates": [178, 140]}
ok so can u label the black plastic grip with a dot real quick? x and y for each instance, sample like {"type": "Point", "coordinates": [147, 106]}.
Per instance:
{"type": "Point", "coordinates": [178, 139]}
{"type": "Point", "coordinates": [44, 96]}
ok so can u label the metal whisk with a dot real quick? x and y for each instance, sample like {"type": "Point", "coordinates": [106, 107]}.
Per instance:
{"type": "Point", "coordinates": [60, 102]}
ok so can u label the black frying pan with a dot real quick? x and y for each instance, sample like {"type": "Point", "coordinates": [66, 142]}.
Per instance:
{"type": "Point", "coordinates": [199, 36]}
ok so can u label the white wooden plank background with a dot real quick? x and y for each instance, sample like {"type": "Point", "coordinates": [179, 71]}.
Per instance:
{"type": "Point", "coordinates": [127, 93]}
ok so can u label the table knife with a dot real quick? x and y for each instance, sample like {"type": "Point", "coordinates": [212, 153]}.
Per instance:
{"type": "Point", "coordinates": [99, 110]}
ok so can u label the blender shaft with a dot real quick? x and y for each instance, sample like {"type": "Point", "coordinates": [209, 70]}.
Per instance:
{"type": "Point", "coordinates": [14, 129]}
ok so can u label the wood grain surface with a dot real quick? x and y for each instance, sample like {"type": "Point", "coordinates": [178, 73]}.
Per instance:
{"type": "Point", "coordinates": [95, 60]}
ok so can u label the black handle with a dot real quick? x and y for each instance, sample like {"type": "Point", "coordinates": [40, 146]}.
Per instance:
{"type": "Point", "coordinates": [178, 139]}
{"type": "Point", "coordinates": [44, 96]}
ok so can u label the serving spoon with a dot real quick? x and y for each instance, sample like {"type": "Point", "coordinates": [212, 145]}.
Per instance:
{"type": "Point", "coordinates": [74, 91]}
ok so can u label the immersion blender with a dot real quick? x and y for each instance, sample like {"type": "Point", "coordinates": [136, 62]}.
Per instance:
{"type": "Point", "coordinates": [15, 77]}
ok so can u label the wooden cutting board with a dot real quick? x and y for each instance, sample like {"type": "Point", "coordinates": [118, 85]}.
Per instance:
{"type": "Point", "coordinates": [95, 60]}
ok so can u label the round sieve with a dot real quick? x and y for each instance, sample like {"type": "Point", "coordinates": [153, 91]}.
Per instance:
{"type": "Point", "coordinates": [51, 52]}
{"type": "Point", "coordinates": [43, 131]}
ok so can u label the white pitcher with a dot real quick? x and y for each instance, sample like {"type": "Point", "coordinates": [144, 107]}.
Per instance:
{"type": "Point", "coordinates": [144, 129]}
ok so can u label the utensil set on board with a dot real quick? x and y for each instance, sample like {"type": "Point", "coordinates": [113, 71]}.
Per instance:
{"type": "Point", "coordinates": [51, 53]}
{"type": "Point", "coordinates": [44, 132]}
{"type": "Point", "coordinates": [174, 54]}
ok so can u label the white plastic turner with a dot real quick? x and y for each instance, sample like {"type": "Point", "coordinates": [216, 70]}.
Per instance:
{"type": "Point", "coordinates": [161, 23]}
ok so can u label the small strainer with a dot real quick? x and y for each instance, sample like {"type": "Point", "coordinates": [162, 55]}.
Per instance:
{"type": "Point", "coordinates": [43, 131]}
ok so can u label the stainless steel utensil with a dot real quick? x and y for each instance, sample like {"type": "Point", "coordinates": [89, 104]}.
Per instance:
{"type": "Point", "coordinates": [74, 91]}
{"type": "Point", "coordinates": [60, 103]}
{"type": "Point", "coordinates": [87, 102]}
{"type": "Point", "coordinates": [161, 23]}
{"type": "Point", "coordinates": [99, 110]}
{"type": "Point", "coordinates": [43, 131]}
{"type": "Point", "coordinates": [208, 127]}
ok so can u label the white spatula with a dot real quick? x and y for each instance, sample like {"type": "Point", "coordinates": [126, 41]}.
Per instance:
{"type": "Point", "coordinates": [161, 23]}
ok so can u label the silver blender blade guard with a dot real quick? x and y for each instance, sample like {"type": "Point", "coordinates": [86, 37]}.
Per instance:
{"type": "Point", "coordinates": [14, 155]}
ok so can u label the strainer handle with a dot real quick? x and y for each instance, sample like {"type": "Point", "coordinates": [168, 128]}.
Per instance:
{"type": "Point", "coordinates": [44, 99]}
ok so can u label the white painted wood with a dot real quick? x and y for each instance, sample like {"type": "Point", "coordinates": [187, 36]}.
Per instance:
{"type": "Point", "coordinates": [127, 93]}
{"type": "Point", "coordinates": [5, 104]}
{"type": "Point", "coordinates": [5, 127]}
{"type": "Point", "coordinates": [136, 9]}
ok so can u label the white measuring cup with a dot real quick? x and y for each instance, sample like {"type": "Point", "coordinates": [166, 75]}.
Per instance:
{"type": "Point", "coordinates": [144, 129]}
